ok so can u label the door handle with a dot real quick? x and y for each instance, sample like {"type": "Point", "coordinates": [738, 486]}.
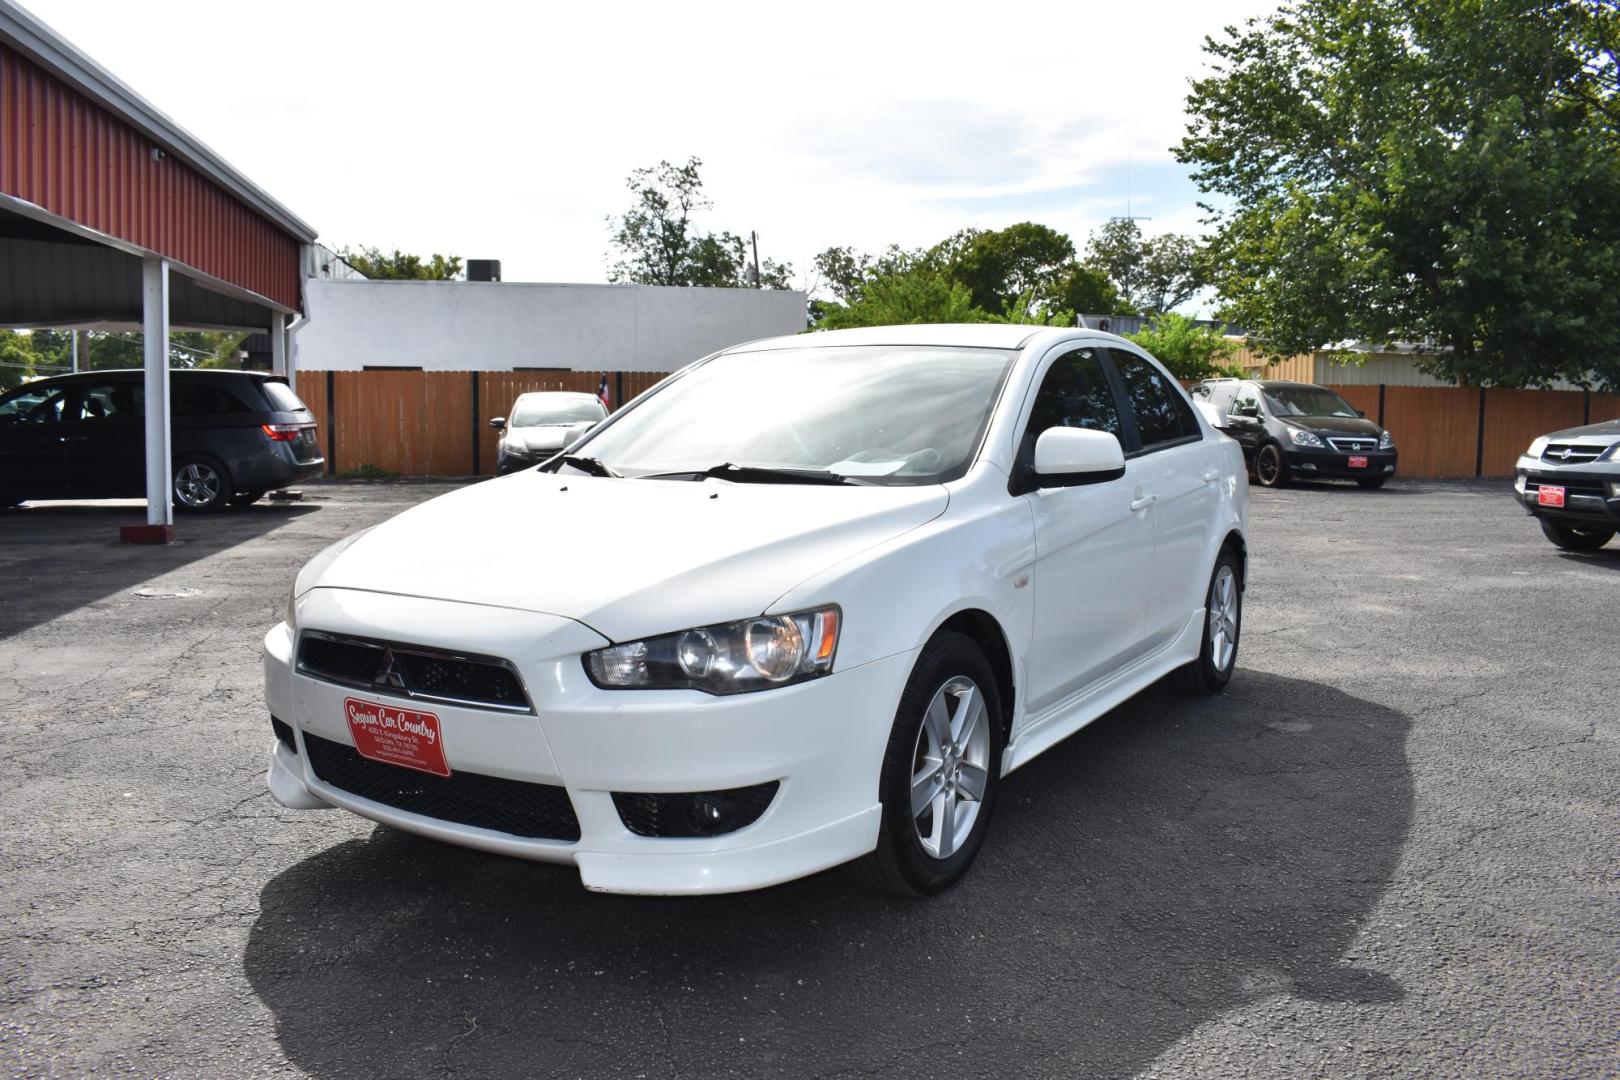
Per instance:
{"type": "Point", "coordinates": [1211, 475]}
{"type": "Point", "coordinates": [1144, 502]}
{"type": "Point", "coordinates": [72, 438]}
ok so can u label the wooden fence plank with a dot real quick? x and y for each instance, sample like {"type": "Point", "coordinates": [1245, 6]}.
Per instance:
{"type": "Point", "coordinates": [1514, 417]}
{"type": "Point", "coordinates": [1436, 429]}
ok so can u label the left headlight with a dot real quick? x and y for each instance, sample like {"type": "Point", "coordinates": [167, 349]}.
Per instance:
{"type": "Point", "coordinates": [728, 658]}
{"type": "Point", "coordinates": [1302, 437]}
{"type": "Point", "coordinates": [1386, 441]}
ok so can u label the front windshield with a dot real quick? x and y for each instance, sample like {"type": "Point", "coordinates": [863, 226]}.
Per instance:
{"type": "Point", "coordinates": [877, 414]}
{"type": "Point", "coordinates": [1307, 401]}
{"type": "Point", "coordinates": [537, 413]}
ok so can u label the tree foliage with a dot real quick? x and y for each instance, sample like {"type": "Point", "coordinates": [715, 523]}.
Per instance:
{"type": "Point", "coordinates": [1152, 274]}
{"type": "Point", "coordinates": [28, 354]}
{"type": "Point", "coordinates": [656, 242]}
{"type": "Point", "coordinates": [1437, 171]}
{"type": "Point", "coordinates": [380, 265]}
{"type": "Point", "coordinates": [1189, 350]}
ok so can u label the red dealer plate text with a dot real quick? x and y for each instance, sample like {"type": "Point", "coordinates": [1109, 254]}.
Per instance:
{"type": "Point", "coordinates": [1549, 495]}
{"type": "Point", "coordinates": [397, 736]}
{"type": "Point", "coordinates": [1358, 463]}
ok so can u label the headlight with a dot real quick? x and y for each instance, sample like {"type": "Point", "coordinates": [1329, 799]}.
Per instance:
{"type": "Point", "coordinates": [1302, 437]}
{"type": "Point", "coordinates": [1386, 441]}
{"type": "Point", "coordinates": [730, 658]}
{"type": "Point", "coordinates": [1613, 453]}
{"type": "Point", "coordinates": [1537, 447]}
{"type": "Point", "coordinates": [292, 609]}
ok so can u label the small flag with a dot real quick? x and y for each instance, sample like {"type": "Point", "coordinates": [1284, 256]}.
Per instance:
{"type": "Point", "coordinates": [603, 394]}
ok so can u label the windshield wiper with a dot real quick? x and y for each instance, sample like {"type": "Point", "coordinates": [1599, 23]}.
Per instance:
{"type": "Point", "coordinates": [756, 474]}
{"type": "Point", "coordinates": [589, 465]}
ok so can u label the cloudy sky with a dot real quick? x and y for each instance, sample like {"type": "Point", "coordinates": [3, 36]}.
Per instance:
{"type": "Point", "coordinates": [506, 130]}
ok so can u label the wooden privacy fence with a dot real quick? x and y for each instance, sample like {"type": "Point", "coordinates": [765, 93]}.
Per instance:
{"type": "Point", "coordinates": [433, 423]}
{"type": "Point", "coordinates": [436, 423]}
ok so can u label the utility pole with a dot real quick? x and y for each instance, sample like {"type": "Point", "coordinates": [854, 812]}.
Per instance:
{"type": "Point", "coordinates": [753, 238]}
{"type": "Point", "coordinates": [73, 336]}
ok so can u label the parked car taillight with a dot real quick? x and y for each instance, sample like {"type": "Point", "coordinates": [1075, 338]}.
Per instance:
{"type": "Point", "coordinates": [285, 432]}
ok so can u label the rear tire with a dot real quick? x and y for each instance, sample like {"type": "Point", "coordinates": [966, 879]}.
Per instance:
{"type": "Point", "coordinates": [1269, 467]}
{"type": "Point", "coordinates": [1373, 483]}
{"type": "Point", "coordinates": [247, 498]}
{"type": "Point", "coordinates": [1577, 537]}
{"type": "Point", "coordinates": [951, 693]}
{"type": "Point", "coordinates": [201, 485]}
{"type": "Point", "coordinates": [1223, 625]}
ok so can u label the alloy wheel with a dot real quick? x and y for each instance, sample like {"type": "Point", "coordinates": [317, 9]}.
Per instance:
{"type": "Point", "coordinates": [1268, 465]}
{"type": "Point", "coordinates": [950, 767]}
{"type": "Point", "coordinates": [197, 485]}
{"type": "Point", "coordinates": [1223, 618]}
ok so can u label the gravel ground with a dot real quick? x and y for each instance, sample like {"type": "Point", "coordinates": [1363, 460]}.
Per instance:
{"type": "Point", "coordinates": [1390, 848]}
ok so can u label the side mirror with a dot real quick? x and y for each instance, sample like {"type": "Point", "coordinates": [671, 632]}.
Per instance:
{"type": "Point", "coordinates": [498, 423]}
{"type": "Point", "coordinates": [1068, 457]}
{"type": "Point", "coordinates": [1247, 408]}
{"type": "Point", "coordinates": [1361, 414]}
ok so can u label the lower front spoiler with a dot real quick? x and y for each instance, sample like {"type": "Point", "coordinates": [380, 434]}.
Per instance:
{"type": "Point", "coordinates": [666, 867]}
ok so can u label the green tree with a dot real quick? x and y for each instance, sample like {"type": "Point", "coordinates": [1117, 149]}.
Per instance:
{"type": "Point", "coordinates": [1023, 260]}
{"type": "Point", "coordinates": [1189, 350]}
{"type": "Point", "coordinates": [1151, 275]}
{"type": "Point", "coordinates": [920, 295]}
{"type": "Point", "coordinates": [1440, 171]}
{"type": "Point", "coordinates": [380, 265]}
{"type": "Point", "coordinates": [657, 243]}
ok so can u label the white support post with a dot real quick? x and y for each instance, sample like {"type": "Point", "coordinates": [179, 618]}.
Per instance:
{"type": "Point", "coordinates": [278, 345]}
{"type": "Point", "coordinates": [155, 343]}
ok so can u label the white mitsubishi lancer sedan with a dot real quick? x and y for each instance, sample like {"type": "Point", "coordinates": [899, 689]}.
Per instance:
{"type": "Point", "coordinates": [804, 603]}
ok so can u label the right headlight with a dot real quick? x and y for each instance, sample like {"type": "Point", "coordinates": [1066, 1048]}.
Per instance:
{"type": "Point", "coordinates": [292, 609]}
{"type": "Point", "coordinates": [727, 658]}
{"type": "Point", "coordinates": [1302, 437]}
{"type": "Point", "coordinates": [1537, 447]}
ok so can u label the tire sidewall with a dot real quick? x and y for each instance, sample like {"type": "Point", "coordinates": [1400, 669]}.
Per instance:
{"type": "Point", "coordinates": [1281, 476]}
{"type": "Point", "coordinates": [1216, 678]}
{"type": "Point", "coordinates": [946, 657]}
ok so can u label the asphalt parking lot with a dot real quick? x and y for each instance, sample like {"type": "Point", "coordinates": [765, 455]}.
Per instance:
{"type": "Point", "coordinates": [1390, 849]}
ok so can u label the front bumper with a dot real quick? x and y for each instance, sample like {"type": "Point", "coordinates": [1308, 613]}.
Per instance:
{"type": "Point", "coordinates": [821, 741]}
{"type": "Point", "coordinates": [1306, 462]}
{"type": "Point", "coordinates": [1591, 496]}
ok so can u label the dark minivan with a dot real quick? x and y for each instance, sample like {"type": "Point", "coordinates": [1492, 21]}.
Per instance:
{"type": "Point", "coordinates": [235, 435]}
{"type": "Point", "coordinates": [1293, 430]}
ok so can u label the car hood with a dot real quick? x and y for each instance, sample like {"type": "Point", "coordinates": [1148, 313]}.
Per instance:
{"type": "Point", "coordinates": [1336, 425]}
{"type": "Point", "coordinates": [1608, 429]}
{"type": "Point", "coordinates": [628, 558]}
{"type": "Point", "coordinates": [541, 437]}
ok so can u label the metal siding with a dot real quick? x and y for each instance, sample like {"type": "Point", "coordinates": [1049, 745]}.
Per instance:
{"type": "Point", "coordinates": [62, 152]}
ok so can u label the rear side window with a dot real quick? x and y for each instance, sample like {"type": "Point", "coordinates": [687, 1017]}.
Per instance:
{"type": "Point", "coordinates": [203, 399]}
{"type": "Point", "coordinates": [1074, 393]}
{"type": "Point", "coordinates": [109, 401]}
{"type": "Point", "coordinates": [281, 397]}
{"type": "Point", "coordinates": [1162, 414]}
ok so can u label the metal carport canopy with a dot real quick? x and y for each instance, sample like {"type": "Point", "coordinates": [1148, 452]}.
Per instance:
{"type": "Point", "coordinates": [112, 213]}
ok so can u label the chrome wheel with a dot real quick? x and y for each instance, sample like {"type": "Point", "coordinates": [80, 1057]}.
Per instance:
{"type": "Point", "coordinates": [950, 767]}
{"type": "Point", "coordinates": [197, 485]}
{"type": "Point", "coordinates": [1224, 613]}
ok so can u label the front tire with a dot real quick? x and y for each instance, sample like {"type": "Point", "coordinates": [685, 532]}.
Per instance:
{"type": "Point", "coordinates": [201, 485]}
{"type": "Point", "coordinates": [1270, 469]}
{"type": "Point", "coordinates": [1223, 623]}
{"type": "Point", "coordinates": [1577, 537]}
{"type": "Point", "coordinates": [940, 773]}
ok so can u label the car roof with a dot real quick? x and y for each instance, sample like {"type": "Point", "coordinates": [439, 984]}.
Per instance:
{"type": "Point", "coordinates": [969, 335]}
{"type": "Point", "coordinates": [575, 395]}
{"type": "Point", "coordinates": [1270, 383]}
{"type": "Point", "coordinates": [206, 373]}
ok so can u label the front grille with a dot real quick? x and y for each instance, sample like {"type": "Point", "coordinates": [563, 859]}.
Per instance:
{"type": "Point", "coordinates": [697, 813]}
{"type": "Point", "coordinates": [534, 811]}
{"type": "Point", "coordinates": [412, 671]}
{"type": "Point", "coordinates": [1571, 454]}
{"type": "Point", "coordinates": [1353, 446]}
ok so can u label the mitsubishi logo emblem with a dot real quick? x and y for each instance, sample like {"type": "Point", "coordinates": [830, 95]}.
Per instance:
{"type": "Point", "coordinates": [388, 675]}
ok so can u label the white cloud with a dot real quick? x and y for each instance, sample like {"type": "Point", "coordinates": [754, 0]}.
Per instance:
{"type": "Point", "coordinates": [506, 130]}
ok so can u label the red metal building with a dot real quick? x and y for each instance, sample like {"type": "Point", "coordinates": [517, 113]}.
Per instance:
{"type": "Point", "coordinates": [112, 214]}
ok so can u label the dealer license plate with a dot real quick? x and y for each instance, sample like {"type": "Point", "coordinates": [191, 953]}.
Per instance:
{"type": "Point", "coordinates": [1550, 495]}
{"type": "Point", "coordinates": [397, 736]}
{"type": "Point", "coordinates": [1358, 463]}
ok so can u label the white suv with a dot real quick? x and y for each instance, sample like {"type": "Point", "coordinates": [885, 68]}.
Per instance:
{"type": "Point", "coordinates": [803, 603]}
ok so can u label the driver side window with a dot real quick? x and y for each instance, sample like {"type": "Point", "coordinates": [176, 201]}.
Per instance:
{"type": "Point", "coordinates": [1074, 393]}
{"type": "Point", "coordinates": [1247, 403]}
{"type": "Point", "coordinates": [41, 406]}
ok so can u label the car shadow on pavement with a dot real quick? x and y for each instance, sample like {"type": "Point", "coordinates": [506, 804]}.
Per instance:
{"type": "Point", "coordinates": [56, 557]}
{"type": "Point", "coordinates": [1177, 859]}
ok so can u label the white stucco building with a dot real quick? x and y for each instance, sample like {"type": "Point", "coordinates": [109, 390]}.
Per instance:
{"type": "Point", "coordinates": [507, 326]}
